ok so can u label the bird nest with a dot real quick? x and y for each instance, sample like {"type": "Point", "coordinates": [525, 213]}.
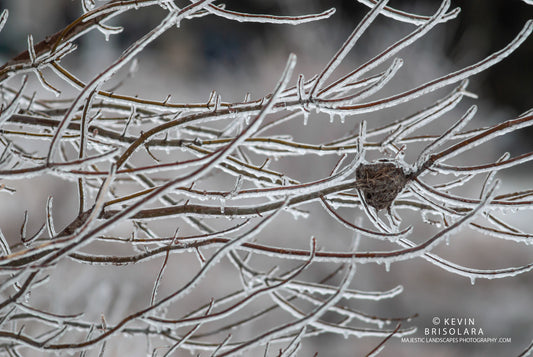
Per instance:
{"type": "Point", "coordinates": [380, 183]}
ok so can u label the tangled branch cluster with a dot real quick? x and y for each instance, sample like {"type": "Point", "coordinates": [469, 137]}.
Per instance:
{"type": "Point", "coordinates": [149, 165]}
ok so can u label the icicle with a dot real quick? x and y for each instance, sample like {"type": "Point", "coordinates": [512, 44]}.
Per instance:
{"type": "Point", "coordinates": [425, 218]}
{"type": "Point", "coordinates": [306, 117]}
{"type": "Point", "coordinates": [222, 205]}
{"type": "Point", "coordinates": [24, 225]}
{"type": "Point", "coordinates": [342, 118]}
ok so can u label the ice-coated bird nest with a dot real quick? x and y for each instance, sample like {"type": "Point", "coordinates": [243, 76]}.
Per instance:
{"type": "Point", "coordinates": [380, 182]}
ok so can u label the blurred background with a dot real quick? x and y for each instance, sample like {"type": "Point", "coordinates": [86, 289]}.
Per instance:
{"type": "Point", "coordinates": [232, 58]}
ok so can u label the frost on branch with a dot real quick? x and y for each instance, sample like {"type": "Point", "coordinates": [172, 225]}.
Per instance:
{"type": "Point", "coordinates": [195, 204]}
